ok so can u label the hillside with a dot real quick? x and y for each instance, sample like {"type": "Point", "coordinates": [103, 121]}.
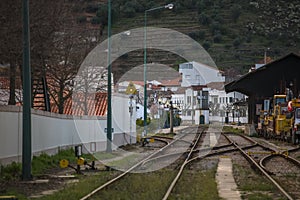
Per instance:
{"type": "Point", "coordinates": [235, 33]}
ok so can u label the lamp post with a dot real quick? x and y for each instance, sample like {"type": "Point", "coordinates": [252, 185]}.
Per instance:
{"type": "Point", "coordinates": [109, 111]}
{"type": "Point", "coordinates": [168, 6]}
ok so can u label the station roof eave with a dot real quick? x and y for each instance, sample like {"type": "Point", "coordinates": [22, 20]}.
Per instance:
{"type": "Point", "coordinates": [268, 79]}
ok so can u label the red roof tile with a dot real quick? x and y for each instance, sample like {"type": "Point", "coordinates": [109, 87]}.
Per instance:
{"type": "Point", "coordinates": [4, 82]}
{"type": "Point", "coordinates": [96, 104]}
{"type": "Point", "coordinates": [174, 82]}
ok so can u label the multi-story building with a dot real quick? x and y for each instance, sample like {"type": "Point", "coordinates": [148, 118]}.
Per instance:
{"type": "Point", "coordinates": [205, 98]}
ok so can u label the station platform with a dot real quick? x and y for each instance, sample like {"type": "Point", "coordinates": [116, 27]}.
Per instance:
{"type": "Point", "coordinates": [227, 187]}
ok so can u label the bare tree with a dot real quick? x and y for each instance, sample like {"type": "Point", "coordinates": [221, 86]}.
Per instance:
{"type": "Point", "coordinates": [88, 82]}
{"type": "Point", "coordinates": [11, 41]}
{"type": "Point", "coordinates": [44, 20]}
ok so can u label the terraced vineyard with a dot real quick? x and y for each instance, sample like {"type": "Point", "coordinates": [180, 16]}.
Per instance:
{"type": "Point", "coordinates": [235, 33]}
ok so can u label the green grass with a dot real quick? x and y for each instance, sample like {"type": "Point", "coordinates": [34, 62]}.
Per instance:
{"type": "Point", "coordinates": [40, 164]}
{"type": "Point", "coordinates": [144, 186]}
{"type": "Point", "coordinates": [198, 184]}
{"type": "Point", "coordinates": [230, 129]}
{"type": "Point", "coordinates": [253, 185]}
{"type": "Point", "coordinates": [10, 172]}
{"type": "Point", "coordinates": [44, 161]}
{"type": "Point", "coordinates": [259, 196]}
{"type": "Point", "coordinates": [83, 187]}
{"type": "Point", "coordinates": [250, 181]}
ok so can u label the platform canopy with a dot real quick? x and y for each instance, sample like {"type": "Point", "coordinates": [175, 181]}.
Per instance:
{"type": "Point", "coordinates": [270, 79]}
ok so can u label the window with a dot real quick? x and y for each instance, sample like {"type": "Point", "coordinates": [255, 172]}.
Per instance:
{"type": "Point", "coordinates": [186, 66]}
{"type": "Point", "coordinates": [189, 100]}
{"type": "Point", "coordinates": [188, 76]}
{"type": "Point", "coordinates": [189, 66]}
{"type": "Point", "coordinates": [215, 100]}
{"type": "Point", "coordinates": [194, 100]}
{"type": "Point", "coordinates": [204, 99]}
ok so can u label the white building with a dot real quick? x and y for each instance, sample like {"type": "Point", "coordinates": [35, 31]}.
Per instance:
{"type": "Point", "coordinates": [195, 109]}
{"type": "Point", "coordinates": [194, 73]}
{"type": "Point", "coordinates": [222, 104]}
{"type": "Point", "coordinates": [205, 99]}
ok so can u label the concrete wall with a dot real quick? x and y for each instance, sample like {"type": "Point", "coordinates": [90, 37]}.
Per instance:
{"type": "Point", "coordinates": [51, 131]}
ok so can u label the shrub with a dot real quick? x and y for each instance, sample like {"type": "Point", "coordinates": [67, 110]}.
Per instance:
{"type": "Point", "coordinates": [102, 14]}
{"type": "Point", "coordinates": [194, 35]}
{"type": "Point", "coordinates": [81, 19]}
{"type": "Point", "coordinates": [236, 42]}
{"type": "Point", "coordinates": [11, 171]}
{"type": "Point", "coordinates": [235, 12]}
{"type": "Point", "coordinates": [204, 19]}
{"type": "Point", "coordinates": [96, 20]}
{"type": "Point", "coordinates": [129, 9]}
{"type": "Point", "coordinates": [140, 122]}
{"type": "Point", "coordinates": [206, 45]}
{"type": "Point", "coordinates": [218, 38]}
{"type": "Point", "coordinates": [201, 35]}
{"type": "Point", "coordinates": [215, 27]}
{"type": "Point", "coordinates": [91, 8]}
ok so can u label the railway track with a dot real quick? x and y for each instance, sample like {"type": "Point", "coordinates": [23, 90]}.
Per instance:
{"type": "Point", "coordinates": [256, 156]}
{"type": "Point", "coordinates": [179, 144]}
{"type": "Point", "coordinates": [189, 151]}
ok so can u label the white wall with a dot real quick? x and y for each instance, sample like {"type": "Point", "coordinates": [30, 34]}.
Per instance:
{"type": "Point", "coordinates": [51, 131]}
{"type": "Point", "coordinates": [194, 73]}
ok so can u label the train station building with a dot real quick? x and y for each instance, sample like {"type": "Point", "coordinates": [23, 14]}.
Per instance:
{"type": "Point", "coordinates": [272, 78]}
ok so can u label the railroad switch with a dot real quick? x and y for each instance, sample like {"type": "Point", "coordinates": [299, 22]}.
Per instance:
{"type": "Point", "coordinates": [80, 162]}
{"type": "Point", "coordinates": [147, 141]}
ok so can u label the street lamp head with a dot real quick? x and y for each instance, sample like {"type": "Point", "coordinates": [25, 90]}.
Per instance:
{"type": "Point", "coordinates": [169, 6]}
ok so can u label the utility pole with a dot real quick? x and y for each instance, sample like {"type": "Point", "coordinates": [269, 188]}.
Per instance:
{"type": "Point", "coordinates": [171, 117]}
{"type": "Point", "coordinates": [26, 148]}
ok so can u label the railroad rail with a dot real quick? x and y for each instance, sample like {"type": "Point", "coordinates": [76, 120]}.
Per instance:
{"type": "Point", "coordinates": [140, 163]}
{"type": "Point", "coordinates": [186, 161]}
{"type": "Point", "coordinates": [261, 169]}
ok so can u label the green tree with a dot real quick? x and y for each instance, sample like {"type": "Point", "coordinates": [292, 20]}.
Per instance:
{"type": "Point", "coordinates": [236, 42]}
{"type": "Point", "coordinates": [102, 14]}
{"type": "Point", "coordinates": [206, 44]}
{"type": "Point", "coordinates": [204, 19]}
{"type": "Point", "coordinates": [129, 9]}
{"type": "Point", "coordinates": [218, 38]}
{"type": "Point", "coordinates": [235, 12]}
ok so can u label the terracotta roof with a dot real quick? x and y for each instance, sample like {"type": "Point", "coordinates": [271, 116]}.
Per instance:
{"type": "Point", "coordinates": [4, 82]}
{"type": "Point", "coordinates": [96, 104]}
{"type": "Point", "coordinates": [174, 82]}
{"type": "Point", "coordinates": [141, 83]}
{"type": "Point", "coordinates": [216, 85]}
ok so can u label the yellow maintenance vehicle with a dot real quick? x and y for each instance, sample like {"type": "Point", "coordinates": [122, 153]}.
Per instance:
{"type": "Point", "coordinates": [282, 120]}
